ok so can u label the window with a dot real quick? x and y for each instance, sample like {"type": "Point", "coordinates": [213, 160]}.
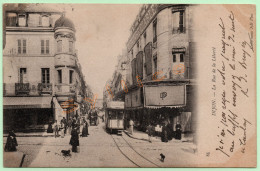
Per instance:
{"type": "Point", "coordinates": [155, 63]}
{"type": "Point", "coordinates": [42, 47]}
{"type": "Point", "coordinates": [44, 21]}
{"type": "Point", "coordinates": [22, 20]}
{"type": "Point", "coordinates": [24, 46]}
{"type": "Point", "coordinates": [21, 46]}
{"type": "Point", "coordinates": [59, 76]}
{"type": "Point", "coordinates": [45, 75]}
{"type": "Point", "coordinates": [70, 46]}
{"type": "Point", "coordinates": [181, 57]}
{"type": "Point", "coordinates": [155, 31]}
{"type": "Point", "coordinates": [45, 48]}
{"type": "Point", "coordinates": [23, 75]}
{"type": "Point", "coordinates": [174, 58]}
{"type": "Point", "coordinates": [59, 48]}
{"type": "Point", "coordinates": [71, 76]}
{"type": "Point", "coordinates": [178, 57]}
{"type": "Point", "coordinates": [11, 19]}
{"type": "Point", "coordinates": [178, 21]}
{"type": "Point", "coordinates": [138, 46]}
{"type": "Point", "coordinates": [132, 53]}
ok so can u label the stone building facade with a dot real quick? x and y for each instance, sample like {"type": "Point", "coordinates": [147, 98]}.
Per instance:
{"type": "Point", "coordinates": [42, 77]}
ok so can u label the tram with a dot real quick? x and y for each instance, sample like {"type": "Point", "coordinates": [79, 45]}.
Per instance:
{"type": "Point", "coordinates": [114, 117]}
{"type": "Point", "coordinates": [93, 117]}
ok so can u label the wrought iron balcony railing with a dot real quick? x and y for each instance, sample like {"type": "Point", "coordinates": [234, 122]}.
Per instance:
{"type": "Point", "coordinates": [22, 88]}
{"type": "Point", "coordinates": [45, 88]}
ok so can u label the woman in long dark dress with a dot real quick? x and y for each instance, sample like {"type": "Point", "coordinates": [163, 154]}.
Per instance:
{"type": "Point", "coordinates": [74, 140]}
{"type": "Point", "coordinates": [178, 131]}
{"type": "Point", "coordinates": [164, 135]}
{"type": "Point", "coordinates": [11, 142]}
{"type": "Point", "coordinates": [50, 130]}
{"type": "Point", "coordinates": [85, 130]}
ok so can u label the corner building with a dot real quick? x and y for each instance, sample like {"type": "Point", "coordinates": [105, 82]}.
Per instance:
{"type": "Point", "coordinates": [41, 68]}
{"type": "Point", "coordinates": [161, 67]}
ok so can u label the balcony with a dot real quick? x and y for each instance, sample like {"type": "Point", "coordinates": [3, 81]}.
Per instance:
{"type": "Point", "coordinates": [22, 88]}
{"type": "Point", "coordinates": [45, 88]}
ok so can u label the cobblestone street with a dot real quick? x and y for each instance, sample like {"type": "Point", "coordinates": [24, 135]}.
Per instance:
{"type": "Point", "coordinates": [99, 149]}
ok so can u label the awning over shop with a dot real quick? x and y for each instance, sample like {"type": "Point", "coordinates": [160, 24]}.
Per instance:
{"type": "Point", "coordinates": [27, 102]}
{"type": "Point", "coordinates": [159, 107]}
{"type": "Point", "coordinates": [172, 96]}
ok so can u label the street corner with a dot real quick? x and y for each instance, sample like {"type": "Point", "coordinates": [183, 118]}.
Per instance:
{"type": "Point", "coordinates": [13, 159]}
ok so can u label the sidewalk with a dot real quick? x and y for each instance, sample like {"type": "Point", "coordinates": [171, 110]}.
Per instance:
{"type": "Point", "coordinates": [32, 134]}
{"type": "Point", "coordinates": [144, 136]}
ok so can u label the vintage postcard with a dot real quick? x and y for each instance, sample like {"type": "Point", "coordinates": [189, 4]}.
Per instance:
{"type": "Point", "coordinates": [129, 85]}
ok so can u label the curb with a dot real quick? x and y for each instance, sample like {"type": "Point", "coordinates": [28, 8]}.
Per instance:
{"type": "Point", "coordinates": [134, 137]}
{"type": "Point", "coordinates": [31, 135]}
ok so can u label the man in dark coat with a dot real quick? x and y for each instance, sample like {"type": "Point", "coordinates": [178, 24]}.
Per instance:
{"type": "Point", "coordinates": [178, 131]}
{"type": "Point", "coordinates": [164, 135]}
{"type": "Point", "coordinates": [65, 124]}
{"type": "Point", "coordinates": [74, 140]}
{"type": "Point", "coordinates": [170, 130]}
{"type": "Point", "coordinates": [11, 142]}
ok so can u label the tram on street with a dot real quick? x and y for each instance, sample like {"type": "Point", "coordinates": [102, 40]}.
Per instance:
{"type": "Point", "coordinates": [114, 117]}
{"type": "Point", "coordinates": [93, 117]}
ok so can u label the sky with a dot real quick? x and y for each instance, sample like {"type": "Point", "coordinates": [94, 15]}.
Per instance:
{"type": "Point", "coordinates": [102, 31]}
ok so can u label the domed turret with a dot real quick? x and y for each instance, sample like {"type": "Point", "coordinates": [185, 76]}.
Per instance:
{"type": "Point", "coordinates": [64, 22]}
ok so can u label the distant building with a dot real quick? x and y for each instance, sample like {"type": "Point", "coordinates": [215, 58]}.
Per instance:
{"type": "Point", "coordinates": [42, 76]}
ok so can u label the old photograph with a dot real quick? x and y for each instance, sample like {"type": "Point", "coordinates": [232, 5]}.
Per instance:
{"type": "Point", "coordinates": [129, 85]}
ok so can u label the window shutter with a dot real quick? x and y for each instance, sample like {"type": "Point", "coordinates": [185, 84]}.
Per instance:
{"type": "Point", "coordinates": [148, 58]}
{"type": "Point", "coordinates": [139, 64]}
{"type": "Point", "coordinates": [133, 64]}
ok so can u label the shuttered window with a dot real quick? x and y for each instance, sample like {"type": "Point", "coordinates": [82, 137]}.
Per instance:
{"type": "Point", "coordinates": [148, 58]}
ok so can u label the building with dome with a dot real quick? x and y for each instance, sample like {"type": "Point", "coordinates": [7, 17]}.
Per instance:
{"type": "Point", "coordinates": [42, 76]}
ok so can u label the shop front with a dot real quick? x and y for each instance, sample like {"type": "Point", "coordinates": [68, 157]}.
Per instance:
{"type": "Point", "coordinates": [166, 104]}
{"type": "Point", "coordinates": [27, 113]}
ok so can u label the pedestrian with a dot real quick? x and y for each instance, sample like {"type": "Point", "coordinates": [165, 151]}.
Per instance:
{"type": "Point", "coordinates": [56, 129]}
{"type": "Point", "coordinates": [85, 130]}
{"type": "Point", "coordinates": [131, 123]}
{"type": "Point", "coordinates": [49, 129]}
{"type": "Point", "coordinates": [74, 140]}
{"type": "Point", "coordinates": [11, 142]}
{"type": "Point", "coordinates": [65, 125]}
{"type": "Point", "coordinates": [178, 131]}
{"type": "Point", "coordinates": [61, 129]}
{"type": "Point", "coordinates": [164, 135]}
{"type": "Point", "coordinates": [149, 130]}
{"type": "Point", "coordinates": [170, 130]}
{"type": "Point", "coordinates": [69, 124]}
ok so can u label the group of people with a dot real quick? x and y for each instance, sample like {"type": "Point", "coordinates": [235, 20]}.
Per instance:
{"type": "Point", "coordinates": [166, 132]}
{"type": "Point", "coordinates": [72, 127]}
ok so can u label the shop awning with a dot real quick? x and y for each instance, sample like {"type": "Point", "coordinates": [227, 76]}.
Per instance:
{"type": "Point", "coordinates": [26, 102]}
{"type": "Point", "coordinates": [158, 107]}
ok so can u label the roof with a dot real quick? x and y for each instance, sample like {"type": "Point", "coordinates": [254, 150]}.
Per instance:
{"type": "Point", "coordinates": [27, 102]}
{"type": "Point", "coordinates": [33, 8]}
{"type": "Point", "coordinates": [64, 22]}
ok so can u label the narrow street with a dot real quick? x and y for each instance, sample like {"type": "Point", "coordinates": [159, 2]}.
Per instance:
{"type": "Point", "coordinates": [102, 149]}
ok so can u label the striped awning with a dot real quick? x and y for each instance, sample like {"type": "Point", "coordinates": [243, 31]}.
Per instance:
{"type": "Point", "coordinates": [27, 102]}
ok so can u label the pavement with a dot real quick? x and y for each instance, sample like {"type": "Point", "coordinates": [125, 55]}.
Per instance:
{"type": "Point", "coordinates": [13, 159]}
{"type": "Point", "coordinates": [97, 150]}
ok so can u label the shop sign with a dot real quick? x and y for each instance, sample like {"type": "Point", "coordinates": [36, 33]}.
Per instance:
{"type": "Point", "coordinates": [164, 95]}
